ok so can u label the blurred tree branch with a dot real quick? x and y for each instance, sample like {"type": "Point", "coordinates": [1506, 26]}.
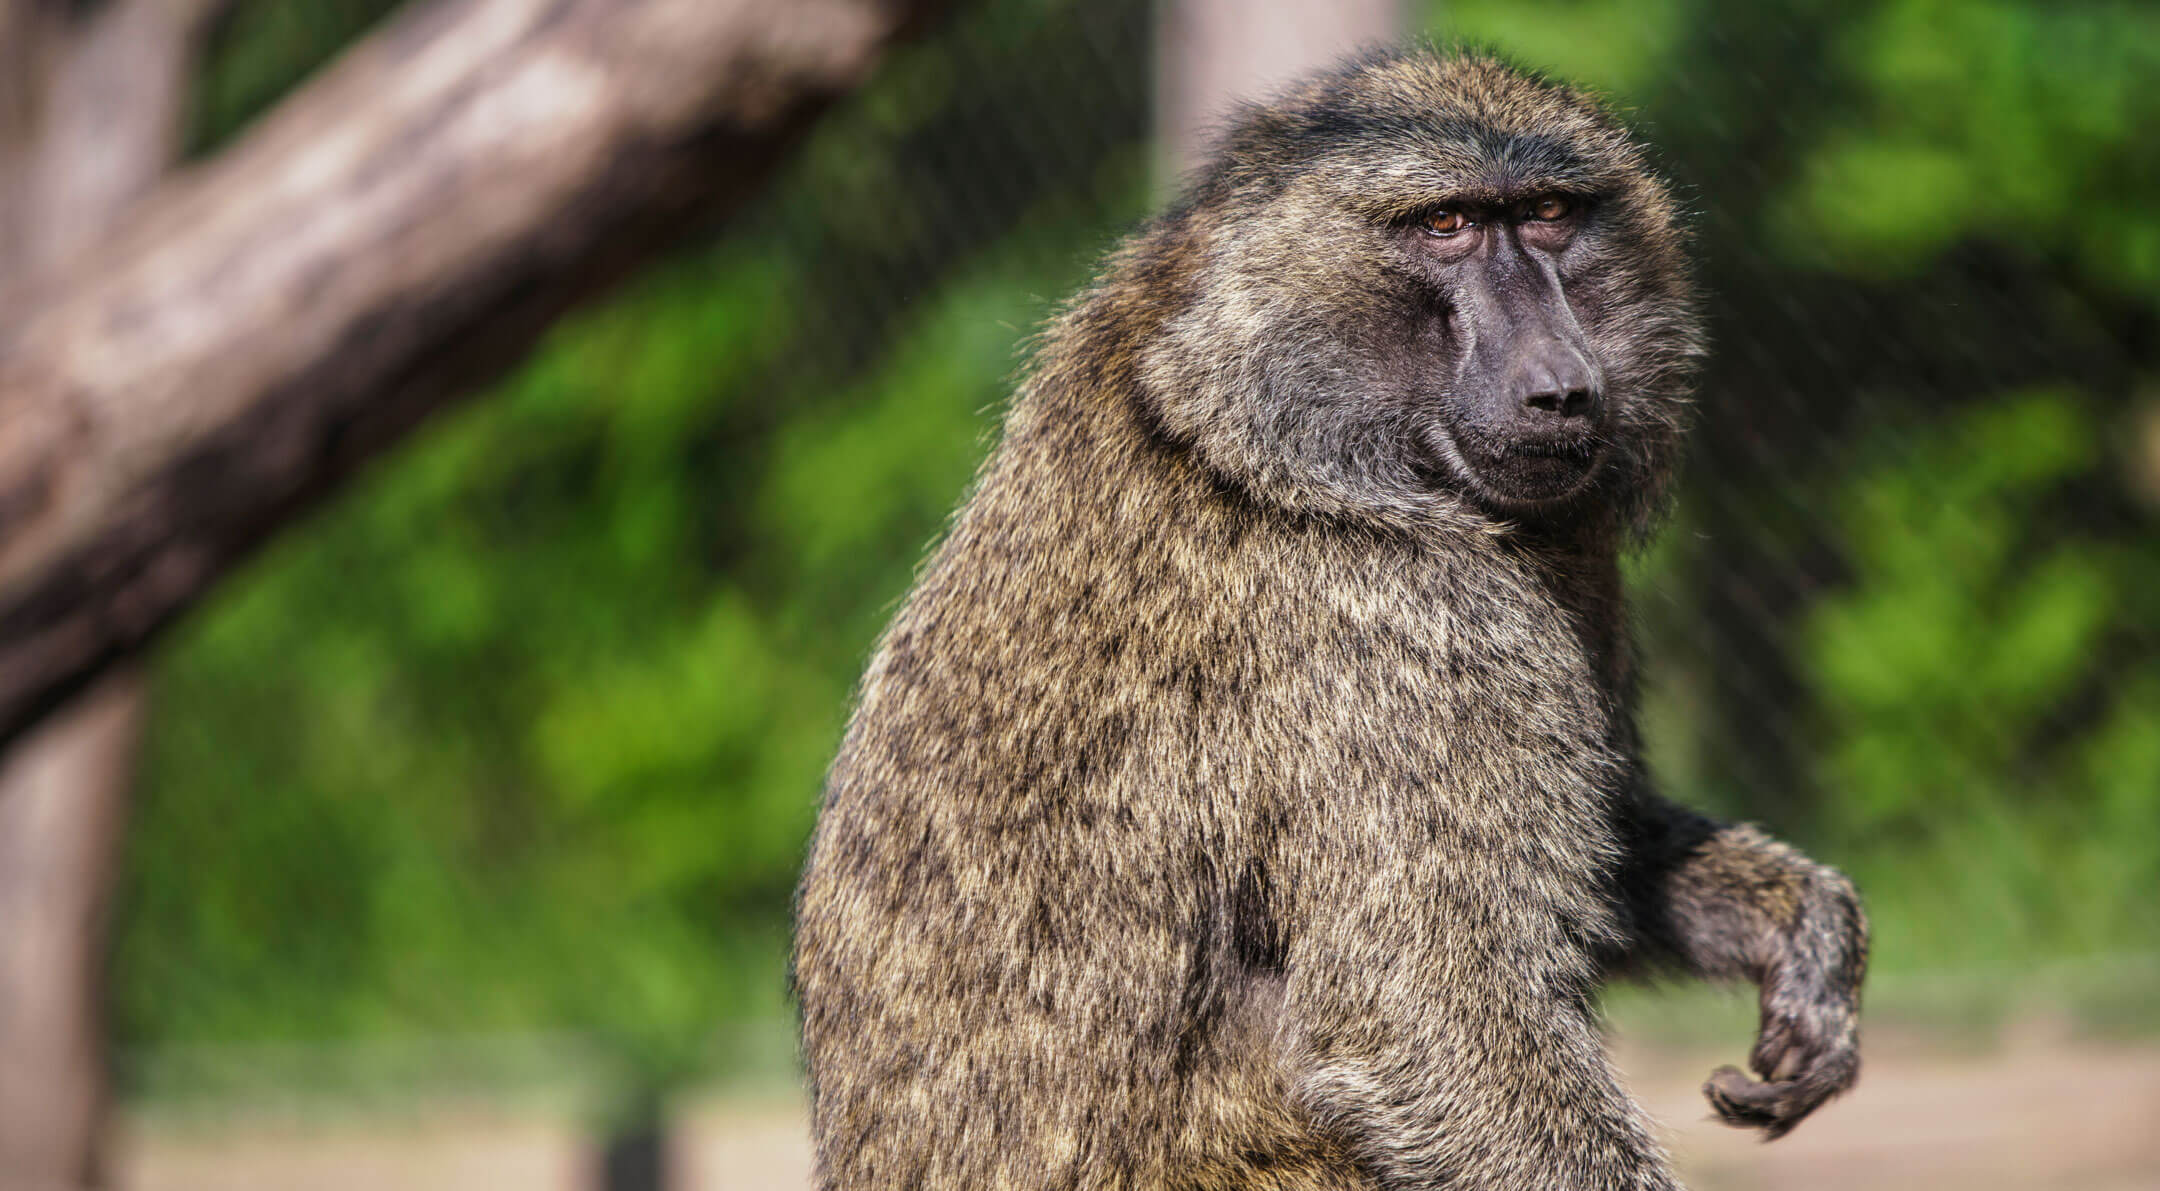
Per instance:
{"type": "Point", "coordinates": [395, 233]}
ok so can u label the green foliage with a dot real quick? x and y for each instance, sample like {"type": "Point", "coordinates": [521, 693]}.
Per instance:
{"type": "Point", "coordinates": [1982, 727]}
{"type": "Point", "coordinates": [2000, 120]}
{"type": "Point", "coordinates": [1617, 48]}
{"type": "Point", "coordinates": [488, 748]}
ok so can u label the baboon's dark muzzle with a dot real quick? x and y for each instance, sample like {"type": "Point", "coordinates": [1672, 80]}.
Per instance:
{"type": "Point", "coordinates": [1529, 370]}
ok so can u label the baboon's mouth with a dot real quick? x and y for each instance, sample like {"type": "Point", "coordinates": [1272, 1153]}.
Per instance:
{"type": "Point", "coordinates": [1581, 449]}
{"type": "Point", "coordinates": [1522, 475]}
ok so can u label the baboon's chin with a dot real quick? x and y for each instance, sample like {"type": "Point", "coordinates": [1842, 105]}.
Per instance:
{"type": "Point", "coordinates": [1539, 481]}
{"type": "Point", "coordinates": [1520, 482]}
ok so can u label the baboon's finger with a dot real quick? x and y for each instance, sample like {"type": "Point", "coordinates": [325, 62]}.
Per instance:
{"type": "Point", "coordinates": [1743, 1102]}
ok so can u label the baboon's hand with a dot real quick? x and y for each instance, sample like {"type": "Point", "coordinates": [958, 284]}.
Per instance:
{"type": "Point", "coordinates": [1808, 1048]}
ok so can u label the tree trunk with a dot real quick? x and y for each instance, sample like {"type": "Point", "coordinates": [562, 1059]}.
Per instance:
{"type": "Point", "coordinates": [88, 121]}
{"type": "Point", "coordinates": [1212, 53]}
{"type": "Point", "coordinates": [388, 238]}
{"type": "Point", "coordinates": [63, 797]}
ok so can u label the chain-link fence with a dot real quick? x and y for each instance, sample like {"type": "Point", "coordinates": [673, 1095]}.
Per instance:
{"type": "Point", "coordinates": [522, 739]}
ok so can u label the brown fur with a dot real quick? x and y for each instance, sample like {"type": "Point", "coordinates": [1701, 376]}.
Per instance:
{"type": "Point", "coordinates": [1236, 803]}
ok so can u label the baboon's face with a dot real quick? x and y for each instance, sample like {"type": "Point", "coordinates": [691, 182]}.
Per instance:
{"type": "Point", "coordinates": [1432, 281]}
{"type": "Point", "coordinates": [1512, 388]}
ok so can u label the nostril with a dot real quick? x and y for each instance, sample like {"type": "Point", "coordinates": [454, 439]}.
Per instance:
{"type": "Point", "coordinates": [1574, 403]}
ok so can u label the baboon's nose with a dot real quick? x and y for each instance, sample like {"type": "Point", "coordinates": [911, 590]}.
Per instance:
{"type": "Point", "coordinates": [1554, 386]}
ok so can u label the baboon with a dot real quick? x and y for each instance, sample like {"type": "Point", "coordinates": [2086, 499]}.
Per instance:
{"type": "Point", "coordinates": [1247, 795]}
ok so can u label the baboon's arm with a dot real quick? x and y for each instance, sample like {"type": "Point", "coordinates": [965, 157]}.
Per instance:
{"type": "Point", "coordinates": [1725, 901]}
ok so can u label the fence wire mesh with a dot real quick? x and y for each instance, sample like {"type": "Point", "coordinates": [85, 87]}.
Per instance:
{"type": "Point", "coordinates": [523, 736]}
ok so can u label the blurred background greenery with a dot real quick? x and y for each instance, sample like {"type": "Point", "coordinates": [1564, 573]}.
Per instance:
{"type": "Point", "coordinates": [522, 737]}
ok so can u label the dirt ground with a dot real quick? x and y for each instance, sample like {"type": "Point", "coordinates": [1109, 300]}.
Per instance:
{"type": "Point", "coordinates": [2039, 1116]}
{"type": "Point", "coordinates": [2041, 1113]}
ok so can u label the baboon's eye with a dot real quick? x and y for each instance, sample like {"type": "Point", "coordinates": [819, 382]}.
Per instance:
{"type": "Point", "coordinates": [1446, 223]}
{"type": "Point", "coordinates": [1550, 208]}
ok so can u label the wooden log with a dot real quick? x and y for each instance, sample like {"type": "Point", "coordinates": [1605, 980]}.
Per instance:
{"type": "Point", "coordinates": [391, 236]}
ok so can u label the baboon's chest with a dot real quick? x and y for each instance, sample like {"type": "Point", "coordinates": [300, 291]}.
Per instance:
{"type": "Point", "coordinates": [1407, 713]}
